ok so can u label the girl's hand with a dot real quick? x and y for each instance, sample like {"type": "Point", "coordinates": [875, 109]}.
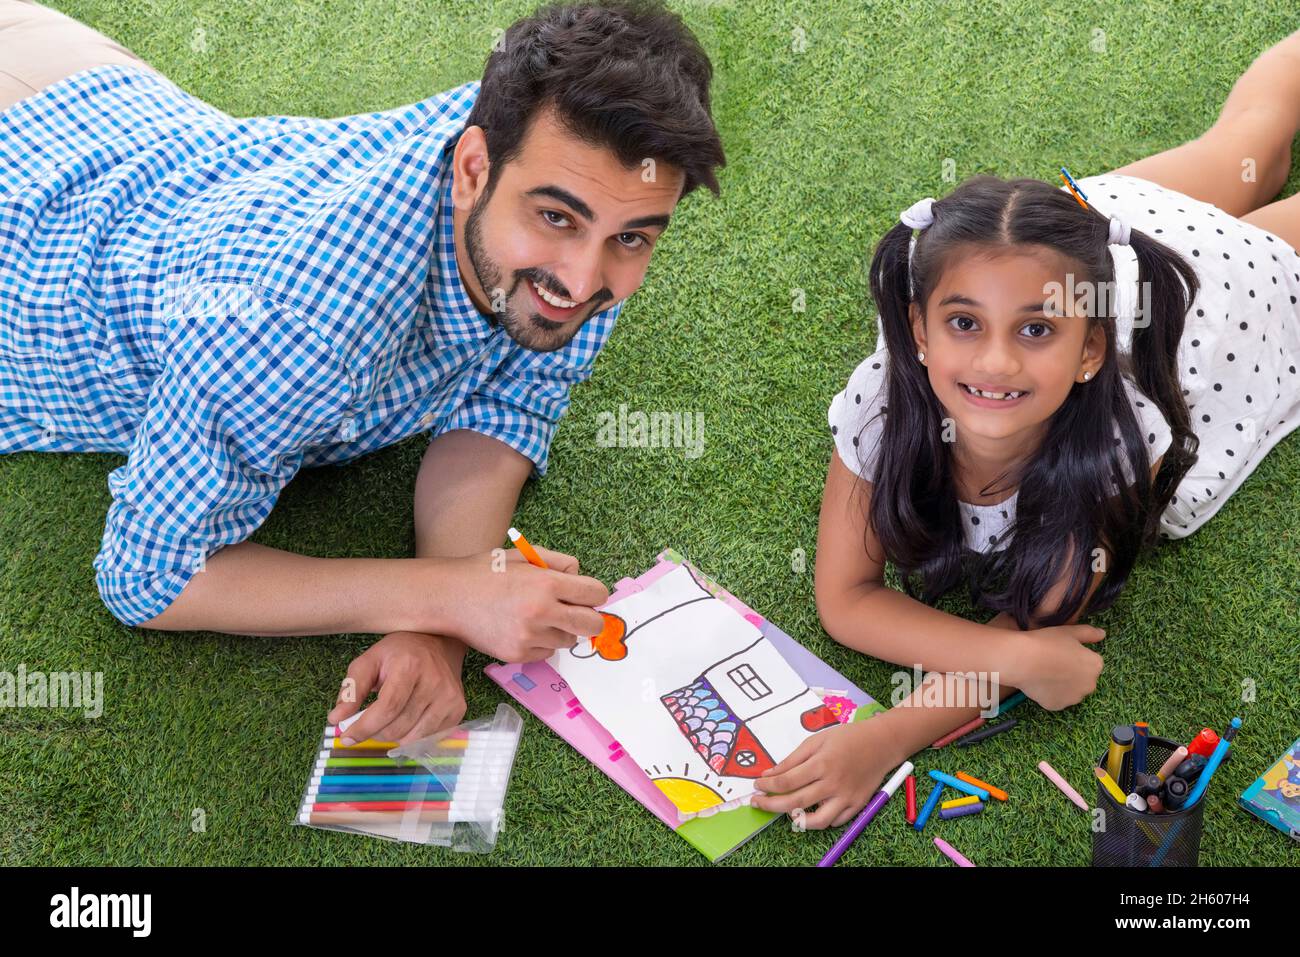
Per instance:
{"type": "Point", "coordinates": [1058, 670]}
{"type": "Point", "coordinates": [838, 769]}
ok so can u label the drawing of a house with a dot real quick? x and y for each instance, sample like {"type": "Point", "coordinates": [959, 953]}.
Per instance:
{"type": "Point", "coordinates": [724, 712]}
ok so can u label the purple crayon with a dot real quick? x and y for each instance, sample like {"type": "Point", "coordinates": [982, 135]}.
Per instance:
{"type": "Point", "coordinates": [946, 813]}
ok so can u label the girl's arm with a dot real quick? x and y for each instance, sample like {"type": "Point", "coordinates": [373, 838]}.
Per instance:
{"type": "Point", "coordinates": [839, 769]}
{"type": "Point", "coordinates": [860, 611]}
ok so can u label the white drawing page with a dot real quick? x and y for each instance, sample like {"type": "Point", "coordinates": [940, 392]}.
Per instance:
{"type": "Point", "coordinates": [692, 691]}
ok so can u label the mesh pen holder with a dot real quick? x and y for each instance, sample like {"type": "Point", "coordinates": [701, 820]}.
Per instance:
{"type": "Point", "coordinates": [1130, 838]}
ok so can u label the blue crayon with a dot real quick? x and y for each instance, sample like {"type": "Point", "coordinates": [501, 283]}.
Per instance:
{"type": "Point", "coordinates": [930, 804]}
{"type": "Point", "coordinates": [960, 785]}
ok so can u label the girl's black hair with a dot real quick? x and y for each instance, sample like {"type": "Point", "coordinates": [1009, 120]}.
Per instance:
{"type": "Point", "coordinates": [1067, 504]}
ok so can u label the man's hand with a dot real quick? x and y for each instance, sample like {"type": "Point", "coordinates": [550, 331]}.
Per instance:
{"type": "Point", "coordinates": [517, 612]}
{"type": "Point", "coordinates": [418, 679]}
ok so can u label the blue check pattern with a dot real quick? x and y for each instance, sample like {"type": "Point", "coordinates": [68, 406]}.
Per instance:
{"type": "Point", "coordinates": [229, 300]}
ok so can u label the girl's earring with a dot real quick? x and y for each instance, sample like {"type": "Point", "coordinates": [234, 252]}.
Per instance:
{"type": "Point", "coordinates": [920, 357]}
{"type": "Point", "coordinates": [1087, 376]}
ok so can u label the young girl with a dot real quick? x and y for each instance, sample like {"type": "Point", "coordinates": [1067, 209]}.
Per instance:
{"type": "Point", "coordinates": [1035, 349]}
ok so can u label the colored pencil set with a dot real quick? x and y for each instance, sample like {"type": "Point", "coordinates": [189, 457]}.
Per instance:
{"type": "Point", "coordinates": [446, 789]}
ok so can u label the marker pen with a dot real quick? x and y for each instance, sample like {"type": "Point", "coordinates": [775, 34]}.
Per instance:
{"type": "Point", "coordinates": [1203, 780]}
{"type": "Point", "coordinates": [1121, 743]}
{"type": "Point", "coordinates": [1176, 790]}
{"type": "Point", "coordinates": [1204, 743]}
{"type": "Point", "coordinates": [1191, 769]}
{"type": "Point", "coordinates": [1139, 748]}
{"type": "Point", "coordinates": [864, 818]}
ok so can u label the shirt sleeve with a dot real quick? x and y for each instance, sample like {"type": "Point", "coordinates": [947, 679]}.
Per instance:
{"type": "Point", "coordinates": [245, 386]}
{"type": "Point", "coordinates": [856, 415]}
{"type": "Point", "coordinates": [524, 400]}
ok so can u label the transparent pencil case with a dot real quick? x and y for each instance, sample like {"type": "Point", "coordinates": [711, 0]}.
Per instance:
{"type": "Point", "coordinates": [448, 789]}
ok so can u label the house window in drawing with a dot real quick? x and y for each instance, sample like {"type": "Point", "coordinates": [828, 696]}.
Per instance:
{"type": "Point", "coordinates": [723, 711]}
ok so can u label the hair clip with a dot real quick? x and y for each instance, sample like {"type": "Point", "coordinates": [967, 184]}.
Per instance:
{"type": "Point", "coordinates": [1073, 187]}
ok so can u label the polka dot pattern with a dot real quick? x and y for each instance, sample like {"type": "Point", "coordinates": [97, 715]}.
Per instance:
{"type": "Point", "coordinates": [1241, 340]}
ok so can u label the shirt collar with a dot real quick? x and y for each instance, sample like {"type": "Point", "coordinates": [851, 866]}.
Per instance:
{"type": "Point", "coordinates": [453, 316]}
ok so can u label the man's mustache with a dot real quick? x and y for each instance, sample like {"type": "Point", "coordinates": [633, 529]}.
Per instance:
{"type": "Point", "coordinates": [557, 288]}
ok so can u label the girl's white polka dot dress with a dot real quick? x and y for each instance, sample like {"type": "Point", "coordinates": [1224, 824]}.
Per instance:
{"type": "Point", "coordinates": [1239, 358]}
{"type": "Point", "coordinates": [1238, 361]}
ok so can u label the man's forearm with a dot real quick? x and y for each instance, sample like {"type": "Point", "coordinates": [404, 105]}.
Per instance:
{"type": "Point", "coordinates": [465, 494]}
{"type": "Point", "coordinates": [466, 491]}
{"type": "Point", "coordinates": [251, 589]}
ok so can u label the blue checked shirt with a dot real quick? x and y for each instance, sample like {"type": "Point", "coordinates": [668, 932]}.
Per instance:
{"type": "Point", "coordinates": [228, 300]}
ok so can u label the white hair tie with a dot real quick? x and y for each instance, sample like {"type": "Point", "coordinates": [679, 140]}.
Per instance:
{"type": "Point", "coordinates": [920, 214]}
{"type": "Point", "coordinates": [1125, 266]}
{"type": "Point", "coordinates": [1119, 232]}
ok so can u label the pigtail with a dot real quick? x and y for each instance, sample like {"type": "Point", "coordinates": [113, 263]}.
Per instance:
{"type": "Point", "coordinates": [1154, 353]}
{"type": "Point", "coordinates": [912, 509]}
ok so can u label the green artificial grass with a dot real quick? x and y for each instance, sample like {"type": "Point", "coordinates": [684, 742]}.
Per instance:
{"type": "Point", "coordinates": [834, 120]}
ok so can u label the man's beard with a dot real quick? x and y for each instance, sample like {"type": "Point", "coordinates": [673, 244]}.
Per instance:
{"type": "Point", "coordinates": [531, 330]}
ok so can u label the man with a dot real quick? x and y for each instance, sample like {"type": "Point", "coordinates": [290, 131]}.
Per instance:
{"type": "Point", "coordinates": [228, 300]}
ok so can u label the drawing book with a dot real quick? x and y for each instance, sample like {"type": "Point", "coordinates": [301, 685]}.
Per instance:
{"type": "Point", "coordinates": [722, 713]}
{"type": "Point", "coordinates": [1275, 795]}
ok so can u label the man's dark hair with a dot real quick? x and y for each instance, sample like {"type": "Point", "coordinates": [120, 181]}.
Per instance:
{"type": "Point", "coordinates": [627, 75]}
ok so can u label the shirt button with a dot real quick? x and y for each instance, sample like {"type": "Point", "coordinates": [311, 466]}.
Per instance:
{"type": "Point", "coordinates": [427, 421]}
{"type": "Point", "coordinates": [348, 429]}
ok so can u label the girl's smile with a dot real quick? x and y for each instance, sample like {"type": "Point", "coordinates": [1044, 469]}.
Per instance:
{"type": "Point", "coordinates": [988, 397]}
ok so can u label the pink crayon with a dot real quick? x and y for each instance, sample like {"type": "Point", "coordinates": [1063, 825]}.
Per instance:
{"type": "Point", "coordinates": [957, 857]}
{"type": "Point", "coordinates": [1064, 785]}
